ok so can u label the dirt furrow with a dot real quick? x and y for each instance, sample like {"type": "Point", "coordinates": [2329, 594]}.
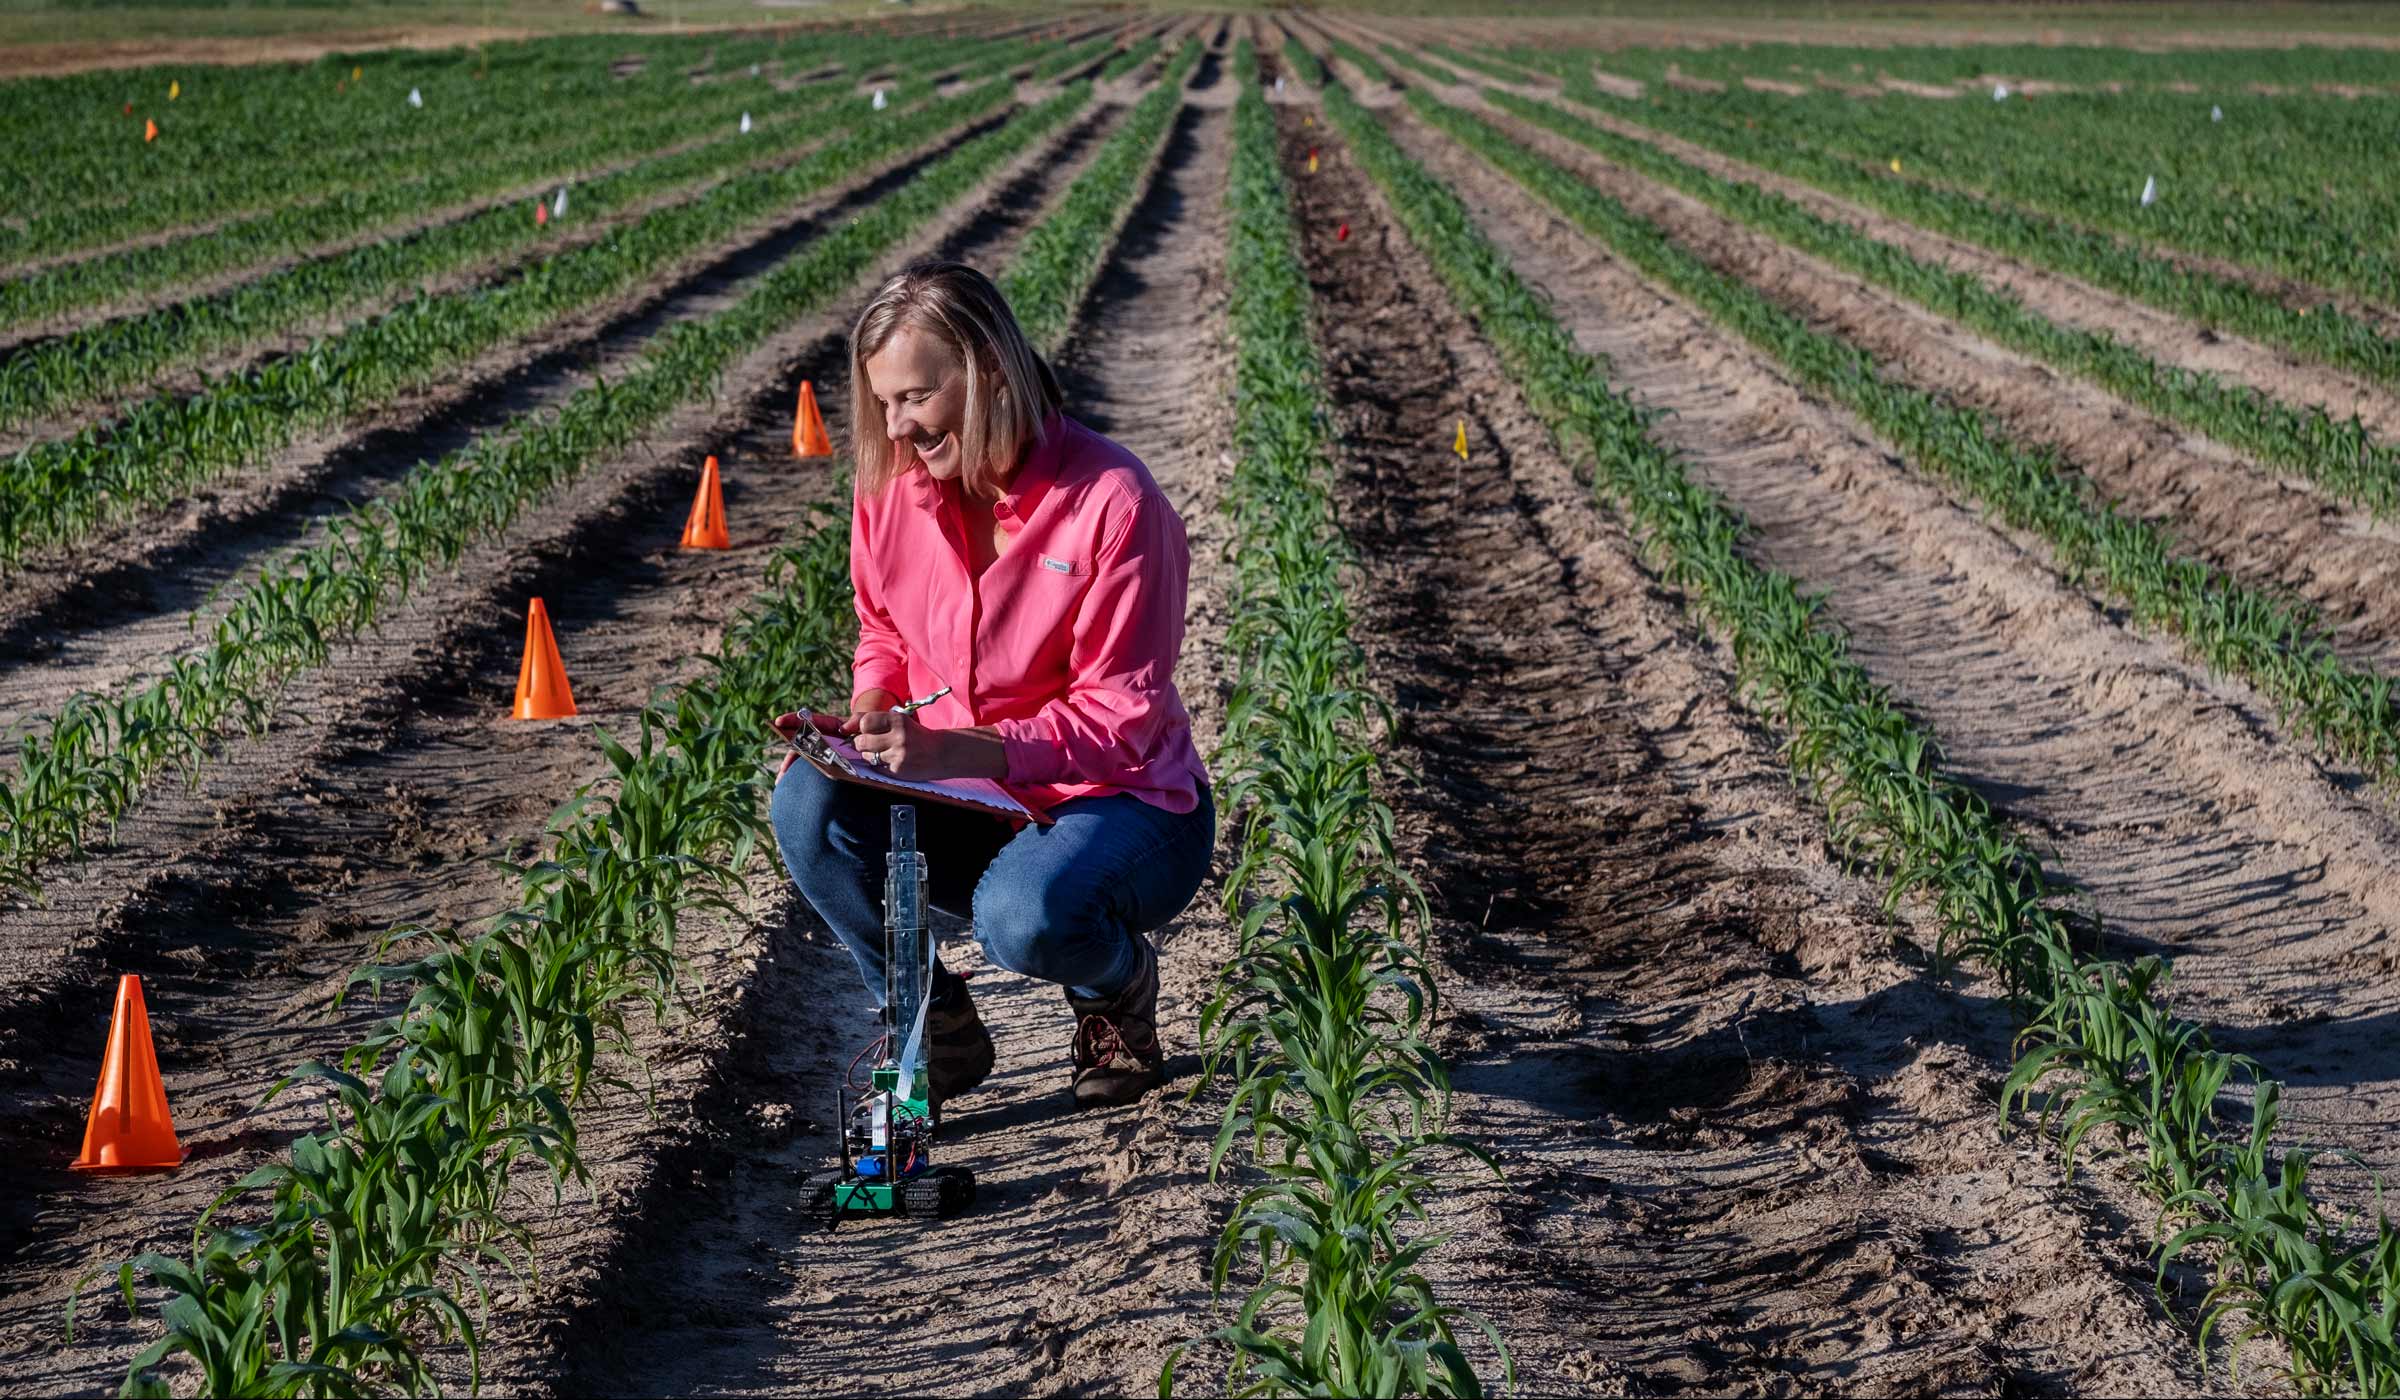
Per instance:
{"type": "Point", "coordinates": [1748, 1150]}
{"type": "Point", "coordinates": [375, 806]}
{"type": "Point", "coordinates": [2164, 795]}
{"type": "Point", "coordinates": [125, 617]}
{"type": "Point", "coordinates": [1084, 1258]}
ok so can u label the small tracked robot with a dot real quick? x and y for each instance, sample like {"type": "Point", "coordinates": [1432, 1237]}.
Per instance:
{"type": "Point", "coordinates": [888, 1131]}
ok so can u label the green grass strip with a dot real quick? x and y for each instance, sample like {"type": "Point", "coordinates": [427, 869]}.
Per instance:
{"type": "Point", "coordinates": [2277, 644]}
{"type": "Point", "coordinates": [2103, 1057]}
{"type": "Point", "coordinates": [88, 766]}
{"type": "Point", "coordinates": [1321, 1018]}
{"type": "Point", "coordinates": [2343, 457]}
{"type": "Point", "coordinates": [81, 366]}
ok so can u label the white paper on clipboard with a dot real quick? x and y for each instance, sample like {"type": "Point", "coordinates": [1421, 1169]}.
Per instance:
{"type": "Point", "coordinates": [836, 757]}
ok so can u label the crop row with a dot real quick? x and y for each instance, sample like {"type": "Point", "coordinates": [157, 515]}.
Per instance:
{"type": "Point", "coordinates": [83, 366]}
{"type": "Point", "coordinates": [2104, 1058]}
{"type": "Point", "coordinates": [2341, 456]}
{"type": "Point", "coordinates": [1132, 58]}
{"type": "Point", "coordinates": [54, 491]}
{"type": "Point", "coordinates": [647, 122]}
{"type": "Point", "coordinates": [1321, 1018]}
{"type": "Point", "coordinates": [2279, 645]}
{"type": "Point", "coordinates": [1075, 56]}
{"type": "Point", "coordinates": [1046, 282]}
{"type": "Point", "coordinates": [245, 159]}
{"type": "Point", "coordinates": [336, 1269]}
{"type": "Point", "coordinates": [2324, 333]}
{"type": "Point", "coordinates": [88, 765]}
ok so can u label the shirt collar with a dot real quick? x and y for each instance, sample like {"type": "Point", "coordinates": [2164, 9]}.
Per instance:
{"type": "Point", "coordinates": [1027, 486]}
{"type": "Point", "coordinates": [1032, 481]}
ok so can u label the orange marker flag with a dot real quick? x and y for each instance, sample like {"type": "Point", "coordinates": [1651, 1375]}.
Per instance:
{"type": "Point", "coordinates": [149, 130]}
{"type": "Point", "coordinates": [542, 691]}
{"type": "Point", "coordinates": [541, 213]}
{"type": "Point", "coordinates": [808, 426]}
{"type": "Point", "coordinates": [1312, 160]}
{"type": "Point", "coordinates": [706, 528]}
{"type": "Point", "coordinates": [130, 1128]}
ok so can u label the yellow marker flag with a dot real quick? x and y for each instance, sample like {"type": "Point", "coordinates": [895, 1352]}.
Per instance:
{"type": "Point", "coordinates": [1312, 162]}
{"type": "Point", "coordinates": [354, 72]}
{"type": "Point", "coordinates": [1308, 121]}
{"type": "Point", "coordinates": [174, 90]}
{"type": "Point", "coordinates": [1895, 165]}
{"type": "Point", "coordinates": [1460, 446]}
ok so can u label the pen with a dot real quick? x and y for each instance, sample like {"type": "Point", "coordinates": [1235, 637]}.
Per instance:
{"type": "Point", "coordinates": [912, 706]}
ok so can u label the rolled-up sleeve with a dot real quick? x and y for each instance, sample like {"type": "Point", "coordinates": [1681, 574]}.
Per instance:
{"type": "Point", "coordinates": [1120, 693]}
{"type": "Point", "coordinates": [881, 660]}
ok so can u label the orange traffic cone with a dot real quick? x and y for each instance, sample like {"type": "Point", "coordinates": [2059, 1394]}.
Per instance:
{"type": "Point", "coordinates": [149, 130]}
{"type": "Point", "coordinates": [130, 1128]}
{"type": "Point", "coordinates": [542, 691]}
{"type": "Point", "coordinates": [706, 528]}
{"type": "Point", "coordinates": [808, 426]}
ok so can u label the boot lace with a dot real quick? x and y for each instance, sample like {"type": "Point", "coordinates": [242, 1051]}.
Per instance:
{"type": "Point", "coordinates": [1099, 1042]}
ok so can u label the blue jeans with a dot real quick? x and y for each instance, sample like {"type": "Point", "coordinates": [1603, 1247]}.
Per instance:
{"type": "Point", "coordinates": [1065, 903]}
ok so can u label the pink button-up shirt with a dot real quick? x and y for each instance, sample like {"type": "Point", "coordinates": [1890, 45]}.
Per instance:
{"type": "Point", "coordinates": [1067, 644]}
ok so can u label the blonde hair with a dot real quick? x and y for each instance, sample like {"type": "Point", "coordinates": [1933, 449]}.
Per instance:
{"type": "Point", "coordinates": [1010, 391]}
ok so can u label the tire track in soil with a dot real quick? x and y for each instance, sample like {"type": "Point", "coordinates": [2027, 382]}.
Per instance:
{"type": "Point", "coordinates": [119, 605]}
{"type": "Point", "coordinates": [2246, 519]}
{"type": "Point", "coordinates": [374, 808]}
{"type": "Point", "coordinates": [1748, 1151]}
{"type": "Point", "coordinates": [2162, 794]}
{"type": "Point", "coordinates": [1085, 1258]}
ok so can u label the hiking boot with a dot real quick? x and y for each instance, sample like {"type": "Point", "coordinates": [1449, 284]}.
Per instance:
{"type": "Point", "coordinates": [960, 1053]}
{"type": "Point", "coordinates": [1115, 1050]}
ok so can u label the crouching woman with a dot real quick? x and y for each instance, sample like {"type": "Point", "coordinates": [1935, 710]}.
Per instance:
{"type": "Point", "coordinates": [1031, 567]}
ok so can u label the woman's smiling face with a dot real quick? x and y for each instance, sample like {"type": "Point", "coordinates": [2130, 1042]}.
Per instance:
{"type": "Point", "coordinates": [922, 387]}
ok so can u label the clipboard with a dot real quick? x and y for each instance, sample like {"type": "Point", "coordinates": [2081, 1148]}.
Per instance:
{"type": "Point", "coordinates": [837, 758]}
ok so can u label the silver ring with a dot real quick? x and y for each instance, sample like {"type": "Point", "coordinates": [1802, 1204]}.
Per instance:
{"type": "Point", "coordinates": [874, 760]}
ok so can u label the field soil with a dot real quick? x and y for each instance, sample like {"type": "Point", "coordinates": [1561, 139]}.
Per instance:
{"type": "Point", "coordinates": [2164, 794]}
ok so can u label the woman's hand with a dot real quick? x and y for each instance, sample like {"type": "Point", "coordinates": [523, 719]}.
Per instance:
{"type": "Point", "coordinates": [902, 747]}
{"type": "Point", "coordinates": [788, 723]}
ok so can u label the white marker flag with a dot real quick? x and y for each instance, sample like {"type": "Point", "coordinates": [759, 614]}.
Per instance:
{"type": "Point", "coordinates": [558, 206]}
{"type": "Point", "coordinates": [879, 99]}
{"type": "Point", "coordinates": [1999, 92]}
{"type": "Point", "coordinates": [745, 123]}
{"type": "Point", "coordinates": [415, 98]}
{"type": "Point", "coordinates": [2216, 114]}
{"type": "Point", "coordinates": [2149, 191]}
